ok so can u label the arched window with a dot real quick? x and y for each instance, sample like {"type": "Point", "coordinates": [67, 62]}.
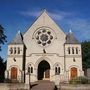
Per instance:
{"type": "Point", "coordinates": [14, 50]}
{"type": "Point", "coordinates": [72, 50]}
{"type": "Point", "coordinates": [30, 69]}
{"type": "Point", "coordinates": [18, 50]}
{"type": "Point", "coordinates": [11, 50]}
{"type": "Point", "coordinates": [76, 50]}
{"type": "Point", "coordinates": [74, 60]}
{"type": "Point", "coordinates": [57, 70]}
{"type": "Point", "coordinates": [68, 50]}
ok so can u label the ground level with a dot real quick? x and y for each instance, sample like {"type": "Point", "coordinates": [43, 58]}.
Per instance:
{"type": "Point", "coordinates": [22, 86]}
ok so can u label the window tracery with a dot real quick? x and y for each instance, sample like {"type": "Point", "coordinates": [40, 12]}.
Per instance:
{"type": "Point", "coordinates": [44, 36]}
{"type": "Point", "coordinates": [57, 70]}
{"type": "Point", "coordinates": [30, 69]}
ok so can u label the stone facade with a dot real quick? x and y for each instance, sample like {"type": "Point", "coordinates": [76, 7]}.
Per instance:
{"type": "Point", "coordinates": [44, 52]}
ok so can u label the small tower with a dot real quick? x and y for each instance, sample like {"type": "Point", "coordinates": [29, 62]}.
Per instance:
{"type": "Point", "coordinates": [15, 64]}
{"type": "Point", "coordinates": [73, 57]}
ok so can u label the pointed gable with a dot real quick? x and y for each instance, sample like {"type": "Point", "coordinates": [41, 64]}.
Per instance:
{"type": "Point", "coordinates": [71, 39]}
{"type": "Point", "coordinates": [18, 39]}
{"type": "Point", "coordinates": [44, 20]}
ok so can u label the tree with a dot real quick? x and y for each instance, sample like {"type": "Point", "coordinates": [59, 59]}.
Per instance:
{"type": "Point", "coordinates": [2, 64]}
{"type": "Point", "coordinates": [2, 36]}
{"type": "Point", "coordinates": [2, 69]}
{"type": "Point", "coordinates": [86, 54]}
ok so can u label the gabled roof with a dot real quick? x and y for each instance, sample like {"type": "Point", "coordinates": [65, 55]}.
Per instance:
{"type": "Point", "coordinates": [18, 39]}
{"type": "Point", "coordinates": [44, 20]}
{"type": "Point", "coordinates": [71, 39]}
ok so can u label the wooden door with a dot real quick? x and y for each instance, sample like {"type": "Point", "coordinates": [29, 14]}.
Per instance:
{"type": "Point", "coordinates": [13, 73]}
{"type": "Point", "coordinates": [47, 73]}
{"type": "Point", "coordinates": [73, 72]}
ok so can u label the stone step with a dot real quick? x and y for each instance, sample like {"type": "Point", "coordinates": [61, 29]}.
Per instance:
{"type": "Point", "coordinates": [43, 85]}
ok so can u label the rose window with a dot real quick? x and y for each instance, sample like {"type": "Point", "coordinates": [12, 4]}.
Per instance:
{"type": "Point", "coordinates": [44, 37]}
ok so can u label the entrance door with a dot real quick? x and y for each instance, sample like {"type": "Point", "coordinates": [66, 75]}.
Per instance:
{"type": "Point", "coordinates": [13, 73]}
{"type": "Point", "coordinates": [73, 72]}
{"type": "Point", "coordinates": [47, 73]}
{"type": "Point", "coordinates": [43, 70]}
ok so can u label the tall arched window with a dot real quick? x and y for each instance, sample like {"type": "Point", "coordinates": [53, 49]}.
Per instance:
{"type": "Point", "coordinates": [76, 50]}
{"type": "Point", "coordinates": [72, 50]}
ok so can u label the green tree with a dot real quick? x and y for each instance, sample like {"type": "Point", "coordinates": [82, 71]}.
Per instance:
{"type": "Point", "coordinates": [2, 36]}
{"type": "Point", "coordinates": [86, 54]}
{"type": "Point", "coordinates": [2, 64]}
{"type": "Point", "coordinates": [2, 69]}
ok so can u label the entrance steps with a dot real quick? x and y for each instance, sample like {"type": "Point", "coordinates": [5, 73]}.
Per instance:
{"type": "Point", "coordinates": [43, 85]}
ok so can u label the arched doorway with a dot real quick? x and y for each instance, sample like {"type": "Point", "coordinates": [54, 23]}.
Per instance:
{"type": "Point", "coordinates": [14, 73]}
{"type": "Point", "coordinates": [73, 72]}
{"type": "Point", "coordinates": [43, 70]}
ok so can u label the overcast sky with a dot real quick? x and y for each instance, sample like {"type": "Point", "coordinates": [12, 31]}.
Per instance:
{"type": "Point", "coordinates": [18, 15]}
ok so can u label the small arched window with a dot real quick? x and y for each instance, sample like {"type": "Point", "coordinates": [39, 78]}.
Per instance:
{"type": "Point", "coordinates": [11, 50]}
{"type": "Point", "coordinates": [76, 50]}
{"type": "Point", "coordinates": [30, 69]}
{"type": "Point", "coordinates": [68, 50]}
{"type": "Point", "coordinates": [18, 50]}
{"type": "Point", "coordinates": [57, 70]}
{"type": "Point", "coordinates": [72, 50]}
{"type": "Point", "coordinates": [14, 50]}
{"type": "Point", "coordinates": [74, 60]}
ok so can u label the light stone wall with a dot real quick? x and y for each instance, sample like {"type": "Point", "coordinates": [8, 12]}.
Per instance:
{"type": "Point", "coordinates": [52, 59]}
{"type": "Point", "coordinates": [74, 46]}
{"type": "Point", "coordinates": [44, 20]}
{"type": "Point", "coordinates": [15, 60]}
{"type": "Point", "coordinates": [16, 45]}
{"type": "Point", "coordinates": [56, 52]}
{"type": "Point", "coordinates": [69, 59]}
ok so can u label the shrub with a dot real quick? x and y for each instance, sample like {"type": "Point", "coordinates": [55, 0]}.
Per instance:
{"type": "Point", "coordinates": [79, 80]}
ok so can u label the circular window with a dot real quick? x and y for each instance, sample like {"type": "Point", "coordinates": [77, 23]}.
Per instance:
{"type": "Point", "coordinates": [44, 36]}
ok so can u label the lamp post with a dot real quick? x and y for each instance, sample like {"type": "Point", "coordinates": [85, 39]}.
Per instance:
{"type": "Point", "coordinates": [29, 72]}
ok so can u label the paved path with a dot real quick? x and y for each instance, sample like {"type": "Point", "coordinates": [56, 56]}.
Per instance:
{"type": "Point", "coordinates": [43, 85]}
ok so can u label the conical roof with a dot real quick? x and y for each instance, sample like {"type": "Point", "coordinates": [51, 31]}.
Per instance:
{"type": "Point", "coordinates": [71, 39]}
{"type": "Point", "coordinates": [18, 39]}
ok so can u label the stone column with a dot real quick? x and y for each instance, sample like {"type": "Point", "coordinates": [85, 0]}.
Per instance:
{"type": "Point", "coordinates": [57, 81]}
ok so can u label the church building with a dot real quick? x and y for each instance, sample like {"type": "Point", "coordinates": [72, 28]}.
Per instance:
{"type": "Point", "coordinates": [44, 52]}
